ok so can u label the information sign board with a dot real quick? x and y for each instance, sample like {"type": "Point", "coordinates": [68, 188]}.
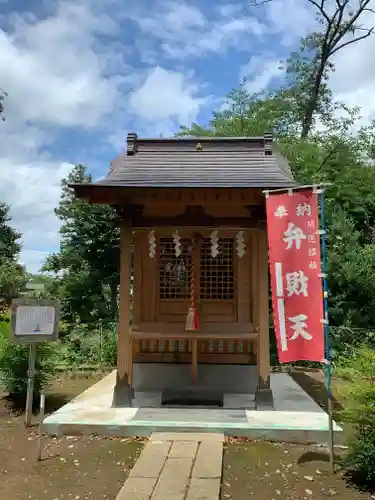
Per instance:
{"type": "Point", "coordinates": [35, 320]}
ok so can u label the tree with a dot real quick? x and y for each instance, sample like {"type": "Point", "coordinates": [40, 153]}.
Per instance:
{"type": "Point", "coordinates": [331, 155]}
{"type": "Point", "coordinates": [87, 266]}
{"type": "Point", "coordinates": [3, 94]}
{"type": "Point", "coordinates": [12, 274]}
{"type": "Point", "coordinates": [249, 115]}
{"type": "Point", "coordinates": [308, 70]}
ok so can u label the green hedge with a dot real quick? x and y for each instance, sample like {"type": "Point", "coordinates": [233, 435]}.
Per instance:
{"type": "Point", "coordinates": [14, 365]}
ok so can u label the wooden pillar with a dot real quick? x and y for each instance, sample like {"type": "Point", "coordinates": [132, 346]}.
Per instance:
{"type": "Point", "coordinates": [264, 393]}
{"type": "Point", "coordinates": [123, 393]}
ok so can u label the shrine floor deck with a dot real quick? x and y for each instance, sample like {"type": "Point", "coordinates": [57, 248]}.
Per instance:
{"type": "Point", "coordinates": [295, 418]}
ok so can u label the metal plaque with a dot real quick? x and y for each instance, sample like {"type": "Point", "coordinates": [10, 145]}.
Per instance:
{"type": "Point", "coordinates": [35, 320]}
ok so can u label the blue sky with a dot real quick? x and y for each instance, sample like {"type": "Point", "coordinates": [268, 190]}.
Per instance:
{"type": "Point", "coordinates": [82, 73]}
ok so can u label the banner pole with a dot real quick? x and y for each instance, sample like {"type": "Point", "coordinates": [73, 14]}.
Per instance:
{"type": "Point", "coordinates": [326, 328]}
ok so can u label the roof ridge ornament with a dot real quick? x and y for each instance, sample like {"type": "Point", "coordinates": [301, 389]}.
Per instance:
{"type": "Point", "coordinates": [131, 144]}
{"type": "Point", "coordinates": [268, 140]}
{"type": "Point", "coordinates": [198, 147]}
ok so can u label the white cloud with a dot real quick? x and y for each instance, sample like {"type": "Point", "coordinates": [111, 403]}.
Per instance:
{"type": "Point", "coordinates": [61, 76]}
{"type": "Point", "coordinates": [54, 77]}
{"type": "Point", "coordinates": [33, 259]}
{"type": "Point", "coordinates": [177, 97]}
{"type": "Point", "coordinates": [353, 82]}
{"type": "Point", "coordinates": [33, 190]}
{"type": "Point", "coordinates": [183, 30]}
{"type": "Point", "coordinates": [259, 72]}
{"type": "Point", "coordinates": [230, 9]}
{"type": "Point", "coordinates": [70, 70]}
{"type": "Point", "coordinates": [290, 20]}
{"type": "Point", "coordinates": [52, 71]}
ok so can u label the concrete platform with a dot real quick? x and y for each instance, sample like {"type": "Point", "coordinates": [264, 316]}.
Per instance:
{"type": "Point", "coordinates": [296, 417]}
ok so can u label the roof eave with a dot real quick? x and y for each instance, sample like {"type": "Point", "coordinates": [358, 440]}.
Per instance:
{"type": "Point", "coordinates": [87, 190]}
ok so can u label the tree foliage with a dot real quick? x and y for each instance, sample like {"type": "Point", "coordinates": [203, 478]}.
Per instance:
{"type": "Point", "coordinates": [308, 70]}
{"type": "Point", "coordinates": [3, 94]}
{"type": "Point", "coordinates": [87, 266]}
{"type": "Point", "coordinates": [359, 395]}
{"type": "Point", "coordinates": [12, 274]}
{"type": "Point", "coordinates": [320, 147]}
{"type": "Point", "coordinates": [14, 362]}
{"type": "Point", "coordinates": [336, 155]}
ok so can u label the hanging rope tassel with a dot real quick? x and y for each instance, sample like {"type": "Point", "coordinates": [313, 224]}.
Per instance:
{"type": "Point", "coordinates": [192, 320]}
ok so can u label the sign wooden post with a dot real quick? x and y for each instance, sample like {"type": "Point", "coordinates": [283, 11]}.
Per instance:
{"type": "Point", "coordinates": [30, 384]}
{"type": "Point", "coordinates": [34, 321]}
{"type": "Point", "coordinates": [41, 418]}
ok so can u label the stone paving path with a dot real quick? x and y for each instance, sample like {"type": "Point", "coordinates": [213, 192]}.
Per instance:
{"type": "Point", "coordinates": [177, 466]}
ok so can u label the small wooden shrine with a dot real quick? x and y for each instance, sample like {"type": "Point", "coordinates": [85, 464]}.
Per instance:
{"type": "Point", "coordinates": [194, 254]}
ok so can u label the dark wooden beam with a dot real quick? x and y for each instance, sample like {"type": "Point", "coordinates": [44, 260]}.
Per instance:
{"type": "Point", "coordinates": [224, 222]}
{"type": "Point", "coordinates": [126, 213]}
{"type": "Point", "coordinates": [194, 216]}
{"type": "Point", "coordinates": [257, 211]}
{"type": "Point", "coordinates": [187, 220]}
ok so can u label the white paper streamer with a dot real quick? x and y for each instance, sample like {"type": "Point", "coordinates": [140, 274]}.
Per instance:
{"type": "Point", "coordinates": [177, 243]}
{"type": "Point", "coordinates": [240, 247]}
{"type": "Point", "coordinates": [215, 244]}
{"type": "Point", "coordinates": [152, 243]}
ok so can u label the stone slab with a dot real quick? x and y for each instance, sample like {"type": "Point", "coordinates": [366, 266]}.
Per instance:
{"type": "Point", "coordinates": [187, 436]}
{"type": "Point", "coordinates": [208, 463]}
{"type": "Point", "coordinates": [151, 461]}
{"type": "Point", "coordinates": [178, 496]}
{"type": "Point", "coordinates": [289, 396]}
{"type": "Point", "coordinates": [137, 489]}
{"type": "Point", "coordinates": [174, 478]}
{"type": "Point", "coordinates": [168, 488]}
{"type": "Point", "coordinates": [176, 468]}
{"type": "Point", "coordinates": [195, 414]}
{"type": "Point", "coordinates": [239, 401]}
{"type": "Point", "coordinates": [183, 449]}
{"type": "Point", "coordinates": [204, 489]}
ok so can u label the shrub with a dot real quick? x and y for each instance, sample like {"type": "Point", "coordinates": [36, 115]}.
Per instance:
{"type": "Point", "coordinates": [89, 345]}
{"type": "Point", "coordinates": [4, 315]}
{"type": "Point", "coordinates": [359, 395]}
{"type": "Point", "coordinates": [109, 348]}
{"type": "Point", "coordinates": [14, 365]}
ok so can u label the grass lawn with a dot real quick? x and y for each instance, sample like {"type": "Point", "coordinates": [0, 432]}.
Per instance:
{"type": "Point", "coordinates": [84, 468]}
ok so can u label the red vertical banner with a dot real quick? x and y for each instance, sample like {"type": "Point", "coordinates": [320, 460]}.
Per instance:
{"type": "Point", "coordinates": [295, 266]}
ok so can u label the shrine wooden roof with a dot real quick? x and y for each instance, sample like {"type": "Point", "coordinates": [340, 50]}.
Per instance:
{"type": "Point", "coordinates": [189, 162]}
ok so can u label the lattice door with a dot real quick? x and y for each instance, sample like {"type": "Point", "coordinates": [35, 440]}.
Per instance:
{"type": "Point", "coordinates": [174, 272]}
{"type": "Point", "coordinates": [216, 275]}
{"type": "Point", "coordinates": [216, 283]}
